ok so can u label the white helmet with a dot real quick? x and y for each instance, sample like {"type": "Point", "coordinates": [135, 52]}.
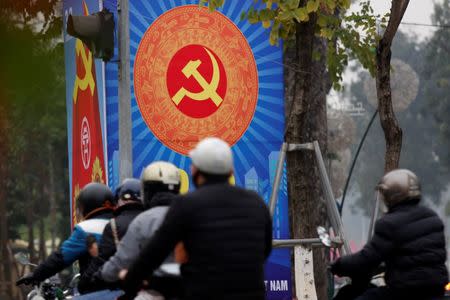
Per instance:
{"type": "Point", "coordinates": [159, 177]}
{"type": "Point", "coordinates": [212, 156]}
{"type": "Point", "coordinates": [161, 171]}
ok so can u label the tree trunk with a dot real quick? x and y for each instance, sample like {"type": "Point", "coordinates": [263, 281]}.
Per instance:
{"type": "Point", "coordinates": [392, 131]}
{"type": "Point", "coordinates": [306, 121]}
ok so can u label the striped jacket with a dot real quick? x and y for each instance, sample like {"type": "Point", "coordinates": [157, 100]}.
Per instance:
{"type": "Point", "coordinates": [74, 248]}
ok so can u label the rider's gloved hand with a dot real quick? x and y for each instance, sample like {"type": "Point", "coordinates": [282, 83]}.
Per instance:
{"type": "Point", "coordinates": [27, 279]}
{"type": "Point", "coordinates": [335, 267]}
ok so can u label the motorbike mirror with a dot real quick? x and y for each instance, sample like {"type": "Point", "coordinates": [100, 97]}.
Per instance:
{"type": "Point", "coordinates": [22, 258]}
{"type": "Point", "coordinates": [75, 279]}
{"type": "Point", "coordinates": [324, 236]}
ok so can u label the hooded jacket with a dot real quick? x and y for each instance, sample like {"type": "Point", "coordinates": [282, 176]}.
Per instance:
{"type": "Point", "coordinates": [74, 248]}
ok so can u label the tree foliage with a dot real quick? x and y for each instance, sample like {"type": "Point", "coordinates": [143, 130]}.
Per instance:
{"type": "Point", "coordinates": [32, 85]}
{"type": "Point", "coordinates": [425, 148]}
{"type": "Point", "coordinates": [351, 35]}
{"type": "Point", "coordinates": [437, 77]}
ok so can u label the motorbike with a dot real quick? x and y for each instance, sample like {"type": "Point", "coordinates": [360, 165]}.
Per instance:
{"type": "Point", "coordinates": [50, 289]}
{"type": "Point", "coordinates": [377, 279]}
{"type": "Point", "coordinates": [164, 284]}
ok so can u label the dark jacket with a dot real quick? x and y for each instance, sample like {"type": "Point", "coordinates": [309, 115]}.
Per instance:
{"type": "Point", "coordinates": [410, 240]}
{"type": "Point", "coordinates": [123, 216]}
{"type": "Point", "coordinates": [139, 233]}
{"type": "Point", "coordinates": [74, 248]}
{"type": "Point", "coordinates": [227, 233]}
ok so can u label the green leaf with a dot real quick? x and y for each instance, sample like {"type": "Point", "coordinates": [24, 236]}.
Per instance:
{"type": "Point", "coordinates": [274, 36]}
{"type": "Point", "coordinates": [301, 14]}
{"type": "Point", "coordinates": [331, 4]}
{"type": "Point", "coordinates": [326, 33]}
{"type": "Point", "coordinates": [346, 3]}
{"type": "Point", "coordinates": [285, 15]}
{"type": "Point", "coordinates": [312, 6]}
{"type": "Point", "coordinates": [322, 21]}
{"type": "Point", "coordinates": [266, 24]}
{"type": "Point", "coordinates": [253, 16]}
{"type": "Point", "coordinates": [292, 4]}
{"type": "Point", "coordinates": [243, 15]}
{"type": "Point", "coordinates": [266, 15]}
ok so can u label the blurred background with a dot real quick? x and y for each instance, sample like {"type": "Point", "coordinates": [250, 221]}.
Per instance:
{"type": "Point", "coordinates": [421, 99]}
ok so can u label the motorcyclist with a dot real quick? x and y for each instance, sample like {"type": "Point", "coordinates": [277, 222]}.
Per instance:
{"type": "Point", "coordinates": [160, 183]}
{"type": "Point", "coordinates": [226, 230]}
{"type": "Point", "coordinates": [409, 240]}
{"type": "Point", "coordinates": [94, 206]}
{"type": "Point", "coordinates": [128, 207]}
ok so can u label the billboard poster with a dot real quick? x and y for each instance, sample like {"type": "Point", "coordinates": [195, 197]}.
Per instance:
{"type": "Point", "coordinates": [85, 102]}
{"type": "Point", "coordinates": [196, 74]}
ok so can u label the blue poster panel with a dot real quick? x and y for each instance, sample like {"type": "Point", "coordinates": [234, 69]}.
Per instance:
{"type": "Point", "coordinates": [196, 74]}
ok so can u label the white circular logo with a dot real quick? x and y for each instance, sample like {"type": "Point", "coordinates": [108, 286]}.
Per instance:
{"type": "Point", "coordinates": [85, 143]}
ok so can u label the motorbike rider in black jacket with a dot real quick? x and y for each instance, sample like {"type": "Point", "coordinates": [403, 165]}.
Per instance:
{"type": "Point", "coordinates": [128, 207]}
{"type": "Point", "coordinates": [409, 240]}
{"type": "Point", "coordinates": [226, 231]}
{"type": "Point", "coordinates": [94, 205]}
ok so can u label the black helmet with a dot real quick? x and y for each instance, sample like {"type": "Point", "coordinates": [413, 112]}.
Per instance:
{"type": "Point", "coordinates": [130, 190]}
{"type": "Point", "coordinates": [94, 197]}
{"type": "Point", "coordinates": [116, 193]}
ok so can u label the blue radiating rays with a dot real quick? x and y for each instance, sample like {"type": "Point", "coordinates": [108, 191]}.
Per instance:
{"type": "Point", "coordinates": [267, 126]}
{"type": "Point", "coordinates": [112, 106]}
{"type": "Point", "coordinates": [258, 147]}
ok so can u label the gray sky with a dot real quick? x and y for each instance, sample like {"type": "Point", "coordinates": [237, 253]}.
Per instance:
{"type": "Point", "coordinates": [419, 11]}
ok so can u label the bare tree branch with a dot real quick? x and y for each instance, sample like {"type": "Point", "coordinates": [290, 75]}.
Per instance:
{"type": "Point", "coordinates": [392, 131]}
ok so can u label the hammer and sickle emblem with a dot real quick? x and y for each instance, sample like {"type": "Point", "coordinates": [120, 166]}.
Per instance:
{"type": "Point", "coordinates": [209, 89]}
{"type": "Point", "coordinates": [88, 79]}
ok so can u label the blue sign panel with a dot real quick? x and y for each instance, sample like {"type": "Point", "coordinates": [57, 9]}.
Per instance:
{"type": "Point", "coordinates": [172, 67]}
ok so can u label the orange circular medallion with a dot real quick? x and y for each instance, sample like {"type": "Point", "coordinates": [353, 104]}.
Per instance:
{"type": "Point", "coordinates": [195, 76]}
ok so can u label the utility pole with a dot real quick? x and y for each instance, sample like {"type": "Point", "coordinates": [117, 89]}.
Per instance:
{"type": "Point", "coordinates": [125, 151]}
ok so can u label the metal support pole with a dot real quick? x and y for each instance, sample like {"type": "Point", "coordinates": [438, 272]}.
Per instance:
{"type": "Point", "coordinates": [374, 216]}
{"type": "Point", "coordinates": [330, 201]}
{"type": "Point", "coordinates": [312, 242]}
{"type": "Point", "coordinates": [278, 176]}
{"type": "Point", "coordinates": [125, 152]}
{"type": "Point", "coordinates": [285, 147]}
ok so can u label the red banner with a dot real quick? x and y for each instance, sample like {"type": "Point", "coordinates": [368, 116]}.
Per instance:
{"type": "Point", "coordinates": [87, 143]}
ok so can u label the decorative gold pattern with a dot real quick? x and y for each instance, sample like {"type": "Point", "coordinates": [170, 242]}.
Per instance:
{"type": "Point", "coordinates": [175, 29]}
{"type": "Point", "coordinates": [76, 192]}
{"type": "Point", "coordinates": [97, 172]}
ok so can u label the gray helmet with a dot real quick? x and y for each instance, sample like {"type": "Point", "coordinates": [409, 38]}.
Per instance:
{"type": "Point", "coordinates": [399, 186]}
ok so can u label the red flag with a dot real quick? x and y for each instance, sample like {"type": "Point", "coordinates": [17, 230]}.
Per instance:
{"type": "Point", "coordinates": [87, 144]}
